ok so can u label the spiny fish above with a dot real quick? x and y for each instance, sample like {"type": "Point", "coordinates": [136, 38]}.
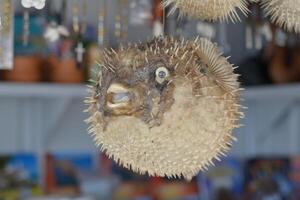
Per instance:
{"type": "Point", "coordinates": [164, 108]}
{"type": "Point", "coordinates": [283, 13]}
{"type": "Point", "coordinates": [211, 10]}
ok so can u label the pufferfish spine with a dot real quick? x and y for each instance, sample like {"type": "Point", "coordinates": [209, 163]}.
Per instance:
{"type": "Point", "coordinates": [284, 13]}
{"type": "Point", "coordinates": [210, 10]}
{"type": "Point", "coordinates": [165, 108]}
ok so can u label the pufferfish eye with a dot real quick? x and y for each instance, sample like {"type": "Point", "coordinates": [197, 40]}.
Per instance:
{"type": "Point", "coordinates": [161, 74]}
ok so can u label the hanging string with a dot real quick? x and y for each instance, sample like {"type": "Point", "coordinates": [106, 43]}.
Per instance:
{"type": "Point", "coordinates": [26, 28]}
{"type": "Point", "coordinates": [101, 24]}
{"type": "Point", "coordinates": [75, 20]}
{"type": "Point", "coordinates": [84, 16]}
{"type": "Point", "coordinates": [163, 19]}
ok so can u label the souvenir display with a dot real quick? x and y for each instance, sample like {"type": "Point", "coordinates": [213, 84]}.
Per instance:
{"type": "Point", "coordinates": [80, 50]}
{"type": "Point", "coordinates": [19, 175]}
{"type": "Point", "coordinates": [59, 68]}
{"type": "Point", "coordinates": [121, 21]}
{"type": "Point", "coordinates": [226, 176]}
{"type": "Point", "coordinates": [153, 105]}
{"type": "Point", "coordinates": [281, 71]}
{"type": "Point", "coordinates": [84, 20]}
{"type": "Point", "coordinates": [125, 20]}
{"type": "Point", "coordinates": [118, 18]}
{"type": "Point", "coordinates": [101, 24]}
{"type": "Point", "coordinates": [222, 38]}
{"type": "Point", "coordinates": [6, 34]}
{"type": "Point", "coordinates": [54, 31]}
{"type": "Point", "coordinates": [27, 69]}
{"type": "Point", "coordinates": [295, 175]}
{"type": "Point", "coordinates": [28, 54]}
{"type": "Point", "coordinates": [38, 4]}
{"type": "Point", "coordinates": [29, 35]}
{"type": "Point", "coordinates": [267, 178]}
{"type": "Point", "coordinates": [206, 29]}
{"type": "Point", "coordinates": [258, 29]}
{"type": "Point", "coordinates": [140, 12]}
{"type": "Point", "coordinates": [253, 23]}
{"type": "Point", "coordinates": [63, 46]}
{"type": "Point", "coordinates": [26, 28]}
{"type": "Point", "coordinates": [64, 170]}
{"type": "Point", "coordinates": [56, 28]}
{"type": "Point", "coordinates": [79, 28]}
{"type": "Point", "coordinates": [75, 16]}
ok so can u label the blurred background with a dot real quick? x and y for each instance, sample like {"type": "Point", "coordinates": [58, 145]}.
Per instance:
{"type": "Point", "coordinates": [45, 57]}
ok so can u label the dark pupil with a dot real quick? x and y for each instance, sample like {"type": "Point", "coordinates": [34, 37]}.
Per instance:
{"type": "Point", "coordinates": [203, 70]}
{"type": "Point", "coordinates": [162, 74]}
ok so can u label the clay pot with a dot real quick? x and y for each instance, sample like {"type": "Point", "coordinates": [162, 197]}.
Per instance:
{"type": "Point", "coordinates": [64, 70]}
{"type": "Point", "coordinates": [26, 69]}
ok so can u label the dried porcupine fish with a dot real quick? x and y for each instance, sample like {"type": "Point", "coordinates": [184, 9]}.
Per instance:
{"type": "Point", "coordinates": [211, 10]}
{"type": "Point", "coordinates": [166, 108]}
{"type": "Point", "coordinates": [284, 13]}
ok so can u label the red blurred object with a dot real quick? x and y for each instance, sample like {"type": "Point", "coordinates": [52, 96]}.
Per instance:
{"type": "Point", "coordinates": [163, 189]}
{"type": "Point", "coordinates": [52, 185]}
{"type": "Point", "coordinates": [26, 69]}
{"type": "Point", "coordinates": [64, 70]}
{"type": "Point", "coordinates": [158, 11]}
{"type": "Point", "coordinates": [49, 176]}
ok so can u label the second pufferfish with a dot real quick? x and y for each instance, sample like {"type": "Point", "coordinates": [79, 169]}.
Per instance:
{"type": "Point", "coordinates": [211, 10]}
{"type": "Point", "coordinates": [164, 108]}
{"type": "Point", "coordinates": [283, 13]}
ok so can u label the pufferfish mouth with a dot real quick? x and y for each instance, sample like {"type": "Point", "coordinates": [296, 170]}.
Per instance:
{"type": "Point", "coordinates": [118, 97]}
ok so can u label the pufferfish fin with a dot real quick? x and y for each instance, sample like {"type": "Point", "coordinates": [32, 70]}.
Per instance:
{"type": "Point", "coordinates": [218, 65]}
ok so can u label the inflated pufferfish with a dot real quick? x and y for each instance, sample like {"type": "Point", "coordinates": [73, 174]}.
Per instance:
{"type": "Point", "coordinates": [284, 13]}
{"type": "Point", "coordinates": [211, 10]}
{"type": "Point", "coordinates": [166, 108]}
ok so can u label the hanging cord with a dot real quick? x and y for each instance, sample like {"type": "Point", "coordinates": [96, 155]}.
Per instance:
{"type": "Point", "coordinates": [26, 28]}
{"type": "Point", "coordinates": [163, 19]}
{"type": "Point", "coordinates": [75, 16]}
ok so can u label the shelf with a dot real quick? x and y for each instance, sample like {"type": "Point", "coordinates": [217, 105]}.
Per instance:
{"type": "Point", "coordinates": [272, 92]}
{"type": "Point", "coordinates": [44, 90]}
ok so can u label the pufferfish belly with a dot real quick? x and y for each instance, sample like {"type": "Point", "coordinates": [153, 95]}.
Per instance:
{"type": "Point", "coordinates": [176, 104]}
